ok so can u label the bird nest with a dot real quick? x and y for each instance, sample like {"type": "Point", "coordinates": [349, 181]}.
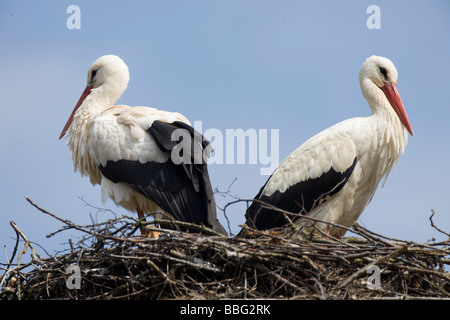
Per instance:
{"type": "Point", "coordinates": [109, 262]}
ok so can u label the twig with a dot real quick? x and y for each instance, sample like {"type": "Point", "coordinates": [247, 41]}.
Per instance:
{"type": "Point", "coordinates": [67, 222]}
{"type": "Point", "coordinates": [434, 226]}
{"type": "Point", "coordinates": [34, 253]}
{"type": "Point", "coordinates": [162, 274]}
{"type": "Point", "coordinates": [379, 261]}
{"type": "Point", "coordinates": [10, 260]}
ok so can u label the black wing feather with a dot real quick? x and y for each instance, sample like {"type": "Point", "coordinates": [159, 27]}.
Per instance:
{"type": "Point", "coordinates": [171, 186]}
{"type": "Point", "coordinates": [299, 198]}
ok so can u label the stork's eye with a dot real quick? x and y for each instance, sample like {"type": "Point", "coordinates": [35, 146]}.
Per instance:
{"type": "Point", "coordinates": [94, 72]}
{"type": "Point", "coordinates": [383, 72]}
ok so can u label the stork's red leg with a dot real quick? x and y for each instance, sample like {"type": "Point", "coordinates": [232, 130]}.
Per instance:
{"type": "Point", "coordinates": [141, 216]}
{"type": "Point", "coordinates": [328, 232]}
{"type": "Point", "coordinates": [145, 233]}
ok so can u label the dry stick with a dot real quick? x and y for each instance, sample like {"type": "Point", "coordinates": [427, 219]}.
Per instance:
{"type": "Point", "coordinates": [381, 260]}
{"type": "Point", "coordinates": [68, 222]}
{"type": "Point", "coordinates": [34, 253]}
{"type": "Point", "coordinates": [228, 193]}
{"type": "Point", "coordinates": [19, 257]}
{"type": "Point", "coordinates": [427, 271]}
{"type": "Point", "coordinates": [7, 270]}
{"type": "Point", "coordinates": [77, 227]}
{"type": "Point", "coordinates": [368, 234]}
{"type": "Point", "coordinates": [335, 239]}
{"type": "Point", "coordinates": [263, 268]}
{"type": "Point", "coordinates": [186, 225]}
{"type": "Point", "coordinates": [434, 226]}
{"type": "Point", "coordinates": [158, 270]}
{"type": "Point", "coordinates": [165, 256]}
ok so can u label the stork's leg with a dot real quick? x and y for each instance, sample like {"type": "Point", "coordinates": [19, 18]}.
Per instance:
{"type": "Point", "coordinates": [145, 233]}
{"type": "Point", "coordinates": [337, 235]}
{"type": "Point", "coordinates": [141, 216]}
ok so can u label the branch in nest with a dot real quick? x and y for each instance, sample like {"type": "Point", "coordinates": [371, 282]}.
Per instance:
{"type": "Point", "coordinates": [206, 265]}
{"type": "Point", "coordinates": [434, 226]}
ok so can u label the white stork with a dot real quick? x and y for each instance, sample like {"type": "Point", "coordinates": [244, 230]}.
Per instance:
{"type": "Point", "coordinates": [127, 150]}
{"type": "Point", "coordinates": [334, 175]}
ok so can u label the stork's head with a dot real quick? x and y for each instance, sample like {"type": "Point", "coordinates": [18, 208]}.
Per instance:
{"type": "Point", "coordinates": [109, 71]}
{"type": "Point", "coordinates": [378, 78]}
{"type": "Point", "coordinates": [108, 77]}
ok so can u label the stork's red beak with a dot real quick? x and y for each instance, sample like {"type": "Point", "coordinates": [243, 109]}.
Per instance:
{"type": "Point", "coordinates": [391, 93]}
{"type": "Point", "coordinates": [85, 93]}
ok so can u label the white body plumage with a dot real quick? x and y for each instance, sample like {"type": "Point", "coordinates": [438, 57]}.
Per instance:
{"type": "Point", "coordinates": [127, 150]}
{"type": "Point", "coordinates": [334, 175]}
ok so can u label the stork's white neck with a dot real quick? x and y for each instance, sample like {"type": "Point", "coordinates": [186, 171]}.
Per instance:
{"type": "Point", "coordinates": [375, 97]}
{"type": "Point", "coordinates": [102, 97]}
{"type": "Point", "coordinates": [391, 133]}
{"type": "Point", "coordinates": [97, 101]}
{"type": "Point", "coordinates": [380, 106]}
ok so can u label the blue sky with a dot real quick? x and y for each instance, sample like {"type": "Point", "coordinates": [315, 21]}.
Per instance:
{"type": "Point", "coordinates": [286, 65]}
